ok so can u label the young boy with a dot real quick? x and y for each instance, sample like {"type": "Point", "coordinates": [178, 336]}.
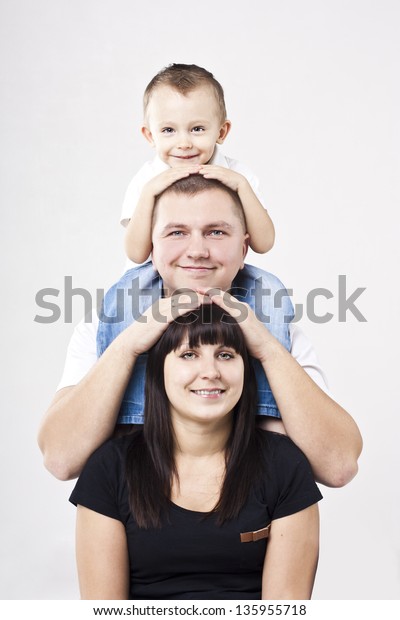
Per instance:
{"type": "Point", "coordinates": [185, 120]}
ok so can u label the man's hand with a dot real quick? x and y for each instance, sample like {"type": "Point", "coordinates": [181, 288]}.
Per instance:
{"type": "Point", "coordinates": [144, 333]}
{"type": "Point", "coordinates": [259, 340]}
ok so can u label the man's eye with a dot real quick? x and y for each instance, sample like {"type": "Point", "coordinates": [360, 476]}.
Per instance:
{"type": "Point", "coordinates": [198, 129]}
{"type": "Point", "coordinates": [167, 130]}
{"type": "Point", "coordinates": [216, 233]}
{"type": "Point", "coordinates": [176, 233]}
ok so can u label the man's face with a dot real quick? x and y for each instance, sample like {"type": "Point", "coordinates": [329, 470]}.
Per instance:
{"type": "Point", "coordinates": [198, 241]}
{"type": "Point", "coordinates": [184, 129]}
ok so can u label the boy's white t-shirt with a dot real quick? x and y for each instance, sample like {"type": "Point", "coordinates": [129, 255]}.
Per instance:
{"type": "Point", "coordinates": [156, 166]}
{"type": "Point", "coordinates": [82, 354]}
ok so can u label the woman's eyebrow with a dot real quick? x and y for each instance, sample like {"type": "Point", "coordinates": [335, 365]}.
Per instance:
{"type": "Point", "coordinates": [183, 345]}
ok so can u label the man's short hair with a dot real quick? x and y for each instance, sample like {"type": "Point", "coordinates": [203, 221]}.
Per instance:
{"type": "Point", "coordinates": [196, 184]}
{"type": "Point", "coordinates": [184, 79]}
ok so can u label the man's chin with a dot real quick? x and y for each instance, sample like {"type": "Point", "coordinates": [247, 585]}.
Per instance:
{"type": "Point", "coordinates": [202, 283]}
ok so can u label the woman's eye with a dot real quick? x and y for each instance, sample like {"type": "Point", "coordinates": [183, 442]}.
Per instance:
{"type": "Point", "coordinates": [224, 355]}
{"type": "Point", "coordinates": [189, 355]}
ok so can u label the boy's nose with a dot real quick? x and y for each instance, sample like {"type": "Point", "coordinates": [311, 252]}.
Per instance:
{"type": "Point", "coordinates": [185, 141]}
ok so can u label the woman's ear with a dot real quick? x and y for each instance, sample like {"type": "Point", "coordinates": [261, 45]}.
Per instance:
{"type": "Point", "coordinates": [223, 132]}
{"type": "Point", "coordinates": [147, 134]}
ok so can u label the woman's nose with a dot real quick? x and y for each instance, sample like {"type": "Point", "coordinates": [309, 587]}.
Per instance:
{"type": "Point", "coordinates": [210, 369]}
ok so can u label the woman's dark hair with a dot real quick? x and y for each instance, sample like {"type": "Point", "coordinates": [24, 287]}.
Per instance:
{"type": "Point", "coordinates": [150, 465]}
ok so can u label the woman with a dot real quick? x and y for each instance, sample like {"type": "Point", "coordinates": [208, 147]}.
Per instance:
{"type": "Point", "coordinates": [185, 507]}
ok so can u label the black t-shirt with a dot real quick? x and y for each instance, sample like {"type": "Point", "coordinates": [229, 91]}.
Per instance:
{"type": "Point", "coordinates": [190, 556]}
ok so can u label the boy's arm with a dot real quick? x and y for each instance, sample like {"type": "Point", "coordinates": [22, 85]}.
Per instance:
{"type": "Point", "coordinates": [258, 223]}
{"type": "Point", "coordinates": [81, 417]}
{"type": "Point", "coordinates": [322, 429]}
{"type": "Point", "coordinates": [138, 231]}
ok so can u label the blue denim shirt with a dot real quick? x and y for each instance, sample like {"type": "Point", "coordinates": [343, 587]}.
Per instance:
{"type": "Point", "coordinates": [141, 286]}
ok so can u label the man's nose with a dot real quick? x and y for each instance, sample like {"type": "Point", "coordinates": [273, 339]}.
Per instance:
{"type": "Point", "coordinates": [198, 247]}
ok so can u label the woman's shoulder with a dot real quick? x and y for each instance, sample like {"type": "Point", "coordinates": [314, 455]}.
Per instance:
{"type": "Point", "coordinates": [272, 438]}
{"type": "Point", "coordinates": [278, 447]}
{"type": "Point", "coordinates": [114, 449]}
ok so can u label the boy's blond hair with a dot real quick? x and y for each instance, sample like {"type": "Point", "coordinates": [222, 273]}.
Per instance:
{"type": "Point", "coordinates": [184, 79]}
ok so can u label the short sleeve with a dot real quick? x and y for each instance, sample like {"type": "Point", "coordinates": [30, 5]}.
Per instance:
{"type": "Point", "coordinates": [296, 487]}
{"type": "Point", "coordinates": [131, 199]}
{"type": "Point", "coordinates": [148, 171]}
{"type": "Point", "coordinates": [98, 486]}
{"type": "Point", "coordinates": [304, 353]}
{"type": "Point", "coordinates": [81, 353]}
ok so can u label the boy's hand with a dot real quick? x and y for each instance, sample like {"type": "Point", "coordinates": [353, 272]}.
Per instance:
{"type": "Point", "coordinates": [230, 178]}
{"type": "Point", "coordinates": [158, 184]}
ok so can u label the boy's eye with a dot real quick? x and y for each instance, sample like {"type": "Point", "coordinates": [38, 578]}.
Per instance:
{"type": "Point", "coordinates": [198, 129]}
{"type": "Point", "coordinates": [167, 130]}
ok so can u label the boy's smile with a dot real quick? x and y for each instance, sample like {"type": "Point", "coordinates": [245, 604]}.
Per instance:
{"type": "Point", "coordinates": [184, 129]}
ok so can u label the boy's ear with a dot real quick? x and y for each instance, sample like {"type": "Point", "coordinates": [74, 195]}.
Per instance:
{"type": "Point", "coordinates": [147, 134]}
{"type": "Point", "coordinates": [223, 132]}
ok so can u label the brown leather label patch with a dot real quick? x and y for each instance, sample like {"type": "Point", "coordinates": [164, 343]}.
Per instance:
{"type": "Point", "coordinates": [254, 536]}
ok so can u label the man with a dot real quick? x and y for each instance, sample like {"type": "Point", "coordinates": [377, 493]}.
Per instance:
{"type": "Point", "coordinates": [199, 243]}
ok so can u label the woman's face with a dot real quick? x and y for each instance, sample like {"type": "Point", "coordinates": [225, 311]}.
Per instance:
{"type": "Point", "coordinates": [203, 383]}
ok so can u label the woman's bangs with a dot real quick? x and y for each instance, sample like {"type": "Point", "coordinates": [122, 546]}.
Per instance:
{"type": "Point", "coordinates": [209, 324]}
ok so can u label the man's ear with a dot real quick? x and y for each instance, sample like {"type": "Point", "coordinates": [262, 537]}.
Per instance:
{"type": "Point", "coordinates": [147, 134]}
{"type": "Point", "coordinates": [246, 243]}
{"type": "Point", "coordinates": [223, 132]}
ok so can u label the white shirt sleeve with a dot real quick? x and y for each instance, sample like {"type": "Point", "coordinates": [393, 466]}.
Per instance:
{"type": "Point", "coordinates": [304, 353]}
{"type": "Point", "coordinates": [148, 171]}
{"type": "Point", "coordinates": [253, 180]}
{"type": "Point", "coordinates": [81, 353]}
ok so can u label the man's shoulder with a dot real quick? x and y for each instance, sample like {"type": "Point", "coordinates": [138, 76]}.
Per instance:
{"type": "Point", "coordinates": [145, 275]}
{"type": "Point", "coordinates": [256, 274]}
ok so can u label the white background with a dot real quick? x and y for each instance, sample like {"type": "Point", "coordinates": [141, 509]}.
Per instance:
{"type": "Point", "coordinates": [312, 91]}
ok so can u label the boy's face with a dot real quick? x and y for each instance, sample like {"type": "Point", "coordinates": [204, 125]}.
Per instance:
{"type": "Point", "coordinates": [184, 129]}
{"type": "Point", "coordinates": [198, 241]}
